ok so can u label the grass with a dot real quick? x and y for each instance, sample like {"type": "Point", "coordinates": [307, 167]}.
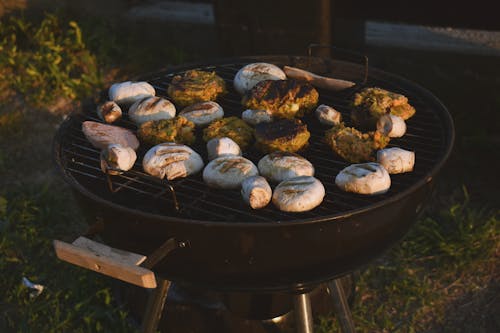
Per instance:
{"type": "Point", "coordinates": [442, 277]}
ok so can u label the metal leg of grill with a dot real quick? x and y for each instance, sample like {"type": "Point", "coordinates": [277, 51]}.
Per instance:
{"type": "Point", "coordinates": [154, 308]}
{"type": "Point", "coordinates": [341, 307]}
{"type": "Point", "coordinates": [303, 313]}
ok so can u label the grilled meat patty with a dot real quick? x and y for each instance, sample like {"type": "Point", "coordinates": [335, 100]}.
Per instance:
{"type": "Point", "coordinates": [288, 135]}
{"type": "Point", "coordinates": [354, 146]}
{"type": "Point", "coordinates": [370, 104]}
{"type": "Point", "coordinates": [282, 98]}
{"type": "Point", "coordinates": [177, 129]}
{"type": "Point", "coordinates": [195, 86]}
{"type": "Point", "coordinates": [231, 127]}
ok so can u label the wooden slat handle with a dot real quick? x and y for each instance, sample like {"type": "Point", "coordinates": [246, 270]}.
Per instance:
{"type": "Point", "coordinates": [106, 260]}
{"type": "Point", "coordinates": [317, 80]}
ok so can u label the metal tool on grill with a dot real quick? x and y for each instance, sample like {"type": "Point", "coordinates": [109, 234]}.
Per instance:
{"type": "Point", "coordinates": [233, 248]}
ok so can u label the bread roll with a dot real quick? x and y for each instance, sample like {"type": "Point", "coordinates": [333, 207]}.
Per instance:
{"type": "Point", "coordinates": [218, 147]}
{"type": "Point", "coordinates": [171, 160]}
{"type": "Point", "coordinates": [279, 166]}
{"type": "Point", "coordinates": [251, 74]}
{"type": "Point", "coordinates": [298, 194]}
{"type": "Point", "coordinates": [364, 178]}
{"type": "Point", "coordinates": [328, 115]}
{"type": "Point", "coordinates": [126, 93]}
{"type": "Point", "coordinates": [115, 159]}
{"type": "Point", "coordinates": [396, 160]}
{"type": "Point", "coordinates": [102, 135]}
{"type": "Point", "coordinates": [151, 108]}
{"type": "Point", "coordinates": [228, 172]}
{"type": "Point", "coordinates": [256, 192]}
{"type": "Point", "coordinates": [203, 113]}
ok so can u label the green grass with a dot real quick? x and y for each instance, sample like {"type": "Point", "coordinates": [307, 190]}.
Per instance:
{"type": "Point", "coordinates": [442, 277]}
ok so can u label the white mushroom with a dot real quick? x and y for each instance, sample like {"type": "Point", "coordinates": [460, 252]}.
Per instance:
{"type": "Point", "coordinates": [364, 178]}
{"type": "Point", "coordinates": [248, 76]}
{"type": "Point", "coordinates": [391, 125]}
{"type": "Point", "coordinates": [128, 92]}
{"type": "Point", "coordinates": [328, 115]}
{"type": "Point", "coordinates": [256, 192]}
{"type": "Point", "coordinates": [396, 160]}
{"type": "Point", "coordinates": [254, 117]}
{"type": "Point", "coordinates": [151, 108]}
{"type": "Point", "coordinates": [218, 147]}
{"type": "Point", "coordinates": [203, 113]}
{"type": "Point", "coordinates": [171, 160]}
{"type": "Point", "coordinates": [109, 111]}
{"type": "Point", "coordinates": [298, 194]}
{"type": "Point", "coordinates": [279, 166]}
{"type": "Point", "coordinates": [228, 172]}
{"type": "Point", "coordinates": [116, 158]}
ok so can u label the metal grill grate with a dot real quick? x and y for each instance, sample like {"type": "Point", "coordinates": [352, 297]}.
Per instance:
{"type": "Point", "coordinates": [425, 135]}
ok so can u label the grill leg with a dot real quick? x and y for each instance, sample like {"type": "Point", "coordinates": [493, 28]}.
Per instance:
{"type": "Point", "coordinates": [303, 313]}
{"type": "Point", "coordinates": [341, 307]}
{"type": "Point", "coordinates": [154, 308]}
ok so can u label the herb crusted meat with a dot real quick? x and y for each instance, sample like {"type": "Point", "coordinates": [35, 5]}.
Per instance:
{"type": "Point", "coordinates": [177, 129]}
{"type": "Point", "coordinates": [195, 86]}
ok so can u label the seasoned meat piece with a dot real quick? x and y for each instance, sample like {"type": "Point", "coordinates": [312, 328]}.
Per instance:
{"type": "Point", "coordinates": [371, 103]}
{"type": "Point", "coordinates": [231, 127]}
{"type": "Point", "coordinates": [177, 129]}
{"type": "Point", "coordinates": [282, 98]}
{"type": "Point", "coordinates": [196, 86]}
{"type": "Point", "coordinates": [354, 146]}
{"type": "Point", "coordinates": [281, 135]}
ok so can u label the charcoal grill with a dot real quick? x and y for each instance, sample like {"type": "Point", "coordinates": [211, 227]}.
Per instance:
{"type": "Point", "coordinates": [220, 243]}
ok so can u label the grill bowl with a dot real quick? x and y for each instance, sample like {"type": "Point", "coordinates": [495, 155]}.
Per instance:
{"type": "Point", "coordinates": [231, 247]}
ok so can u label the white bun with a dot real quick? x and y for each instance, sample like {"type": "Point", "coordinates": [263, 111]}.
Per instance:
{"type": "Point", "coordinates": [151, 108]}
{"type": "Point", "coordinates": [228, 172]}
{"type": "Point", "coordinates": [102, 135]}
{"type": "Point", "coordinates": [203, 113]}
{"type": "Point", "coordinates": [391, 125]}
{"type": "Point", "coordinates": [279, 166]}
{"type": "Point", "coordinates": [129, 92]}
{"type": "Point", "coordinates": [254, 117]}
{"type": "Point", "coordinates": [171, 160]}
{"type": "Point", "coordinates": [218, 147]}
{"type": "Point", "coordinates": [396, 160]}
{"type": "Point", "coordinates": [251, 74]}
{"type": "Point", "coordinates": [256, 192]}
{"type": "Point", "coordinates": [298, 194]}
{"type": "Point", "coordinates": [115, 156]}
{"type": "Point", "coordinates": [364, 178]}
{"type": "Point", "coordinates": [328, 115]}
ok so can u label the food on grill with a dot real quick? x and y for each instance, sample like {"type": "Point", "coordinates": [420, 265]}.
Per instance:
{"type": "Point", "coordinates": [365, 178]}
{"type": "Point", "coordinates": [203, 113]}
{"type": "Point", "coordinates": [151, 108]}
{"type": "Point", "coordinates": [218, 147]}
{"type": "Point", "coordinates": [371, 103]}
{"type": "Point", "coordinates": [101, 135]}
{"type": "Point", "coordinates": [228, 172]}
{"type": "Point", "coordinates": [279, 166]}
{"type": "Point", "coordinates": [177, 129]}
{"type": "Point", "coordinates": [109, 112]}
{"type": "Point", "coordinates": [328, 115]}
{"type": "Point", "coordinates": [171, 160]}
{"type": "Point", "coordinates": [254, 117]}
{"type": "Point", "coordinates": [317, 80]}
{"type": "Point", "coordinates": [298, 194]}
{"type": "Point", "coordinates": [126, 93]}
{"type": "Point", "coordinates": [391, 125]}
{"type": "Point", "coordinates": [282, 98]}
{"type": "Point", "coordinates": [115, 159]}
{"type": "Point", "coordinates": [248, 76]}
{"type": "Point", "coordinates": [354, 146]}
{"type": "Point", "coordinates": [288, 135]}
{"type": "Point", "coordinates": [196, 86]}
{"type": "Point", "coordinates": [256, 192]}
{"type": "Point", "coordinates": [396, 160]}
{"type": "Point", "coordinates": [231, 127]}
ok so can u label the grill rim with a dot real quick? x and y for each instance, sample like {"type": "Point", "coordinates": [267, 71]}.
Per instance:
{"type": "Point", "coordinates": [444, 116]}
